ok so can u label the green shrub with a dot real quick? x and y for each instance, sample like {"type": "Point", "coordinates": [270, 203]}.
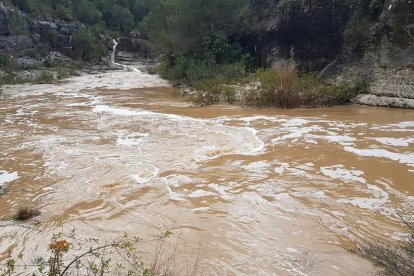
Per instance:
{"type": "Point", "coordinates": [208, 91]}
{"type": "Point", "coordinates": [44, 77]}
{"type": "Point", "coordinates": [279, 87]}
{"type": "Point", "coordinates": [4, 60]}
{"type": "Point", "coordinates": [87, 47]}
{"type": "Point", "coordinates": [393, 258]}
{"type": "Point", "coordinates": [285, 88]}
{"type": "Point", "coordinates": [10, 79]}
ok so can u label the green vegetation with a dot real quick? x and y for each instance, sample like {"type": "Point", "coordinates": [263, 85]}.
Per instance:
{"type": "Point", "coordinates": [120, 16]}
{"type": "Point", "coordinates": [215, 45]}
{"type": "Point", "coordinates": [87, 47]}
{"type": "Point", "coordinates": [68, 254]}
{"type": "Point", "coordinates": [216, 57]}
{"type": "Point", "coordinates": [276, 88]}
{"type": "Point", "coordinates": [392, 258]}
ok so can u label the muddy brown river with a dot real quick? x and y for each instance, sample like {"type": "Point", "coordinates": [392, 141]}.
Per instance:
{"type": "Point", "coordinates": [267, 191]}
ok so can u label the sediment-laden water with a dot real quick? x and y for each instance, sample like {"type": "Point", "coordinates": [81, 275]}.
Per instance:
{"type": "Point", "coordinates": [268, 191]}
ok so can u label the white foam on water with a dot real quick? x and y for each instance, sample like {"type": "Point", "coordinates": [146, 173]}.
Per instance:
{"type": "Point", "coordinates": [221, 190]}
{"type": "Point", "coordinates": [340, 139]}
{"type": "Point", "coordinates": [119, 111]}
{"type": "Point", "coordinates": [339, 172]}
{"type": "Point", "coordinates": [260, 144]}
{"type": "Point", "coordinates": [296, 122]}
{"type": "Point", "coordinates": [305, 167]}
{"type": "Point", "coordinates": [174, 196]}
{"type": "Point", "coordinates": [310, 194]}
{"type": "Point", "coordinates": [378, 192]}
{"type": "Point", "coordinates": [259, 167]}
{"type": "Point", "coordinates": [296, 133]}
{"type": "Point", "coordinates": [147, 173]}
{"type": "Point", "coordinates": [366, 203]}
{"type": "Point", "coordinates": [398, 142]}
{"type": "Point", "coordinates": [124, 112]}
{"type": "Point", "coordinates": [255, 198]}
{"type": "Point", "coordinates": [282, 168]}
{"type": "Point", "coordinates": [403, 158]}
{"type": "Point", "coordinates": [7, 177]}
{"type": "Point", "coordinates": [176, 180]}
{"type": "Point", "coordinates": [406, 124]}
{"type": "Point", "coordinates": [131, 139]}
{"type": "Point", "coordinates": [201, 193]}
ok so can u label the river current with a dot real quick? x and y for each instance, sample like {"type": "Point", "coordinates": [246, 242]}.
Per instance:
{"type": "Point", "coordinates": [266, 191]}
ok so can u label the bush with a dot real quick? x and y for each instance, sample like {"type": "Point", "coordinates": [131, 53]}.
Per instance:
{"type": "Point", "coordinates": [4, 60]}
{"type": "Point", "coordinates": [279, 88]}
{"type": "Point", "coordinates": [285, 88]}
{"type": "Point", "coordinates": [213, 91]}
{"type": "Point", "coordinates": [26, 213]}
{"type": "Point", "coordinates": [215, 57]}
{"type": "Point", "coordinates": [45, 77]}
{"type": "Point", "coordinates": [395, 258]}
{"type": "Point", "coordinates": [68, 254]}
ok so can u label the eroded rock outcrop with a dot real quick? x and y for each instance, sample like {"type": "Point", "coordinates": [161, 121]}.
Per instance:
{"type": "Point", "coordinates": [28, 38]}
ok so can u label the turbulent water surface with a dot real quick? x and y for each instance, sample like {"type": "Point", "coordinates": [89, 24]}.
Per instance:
{"type": "Point", "coordinates": [266, 191]}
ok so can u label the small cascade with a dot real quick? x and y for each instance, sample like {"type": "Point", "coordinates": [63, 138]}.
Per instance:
{"type": "Point", "coordinates": [113, 63]}
{"type": "Point", "coordinates": [114, 51]}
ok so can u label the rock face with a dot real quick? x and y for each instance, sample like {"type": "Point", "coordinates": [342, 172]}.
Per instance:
{"type": "Point", "coordinates": [23, 36]}
{"type": "Point", "coordinates": [311, 32]}
{"type": "Point", "coordinates": [135, 43]}
{"type": "Point", "coordinates": [307, 32]}
{"type": "Point", "coordinates": [390, 88]}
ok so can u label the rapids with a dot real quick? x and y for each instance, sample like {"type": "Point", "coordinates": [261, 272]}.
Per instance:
{"type": "Point", "coordinates": [269, 191]}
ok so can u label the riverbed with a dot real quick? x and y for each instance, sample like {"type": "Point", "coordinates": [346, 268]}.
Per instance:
{"type": "Point", "coordinates": [266, 191]}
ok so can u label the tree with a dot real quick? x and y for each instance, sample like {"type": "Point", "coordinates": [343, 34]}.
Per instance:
{"type": "Point", "coordinates": [86, 12]}
{"type": "Point", "coordinates": [85, 44]}
{"type": "Point", "coordinates": [121, 19]}
{"type": "Point", "coordinates": [184, 24]}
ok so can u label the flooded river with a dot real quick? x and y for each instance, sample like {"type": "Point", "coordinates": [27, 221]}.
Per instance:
{"type": "Point", "coordinates": [268, 191]}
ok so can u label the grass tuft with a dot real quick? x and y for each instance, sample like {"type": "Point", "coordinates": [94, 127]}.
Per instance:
{"type": "Point", "coordinates": [25, 213]}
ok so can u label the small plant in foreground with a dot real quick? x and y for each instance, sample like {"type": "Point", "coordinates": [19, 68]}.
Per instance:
{"type": "Point", "coordinates": [26, 213]}
{"type": "Point", "coordinates": [393, 258]}
{"type": "Point", "coordinates": [68, 254]}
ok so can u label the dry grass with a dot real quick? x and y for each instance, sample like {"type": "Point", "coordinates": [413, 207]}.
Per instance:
{"type": "Point", "coordinates": [276, 87]}
{"type": "Point", "coordinates": [26, 213]}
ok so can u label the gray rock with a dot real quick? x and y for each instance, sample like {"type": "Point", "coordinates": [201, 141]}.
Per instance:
{"type": "Point", "coordinates": [141, 48]}
{"type": "Point", "coordinates": [374, 100]}
{"type": "Point", "coordinates": [2, 192]}
{"type": "Point", "coordinates": [4, 19]}
{"type": "Point", "coordinates": [16, 44]}
{"type": "Point", "coordinates": [27, 61]}
{"type": "Point", "coordinates": [28, 37]}
{"type": "Point", "coordinates": [56, 58]}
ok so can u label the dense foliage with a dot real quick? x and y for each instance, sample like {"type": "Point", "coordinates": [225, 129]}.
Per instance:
{"type": "Point", "coordinates": [120, 16]}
